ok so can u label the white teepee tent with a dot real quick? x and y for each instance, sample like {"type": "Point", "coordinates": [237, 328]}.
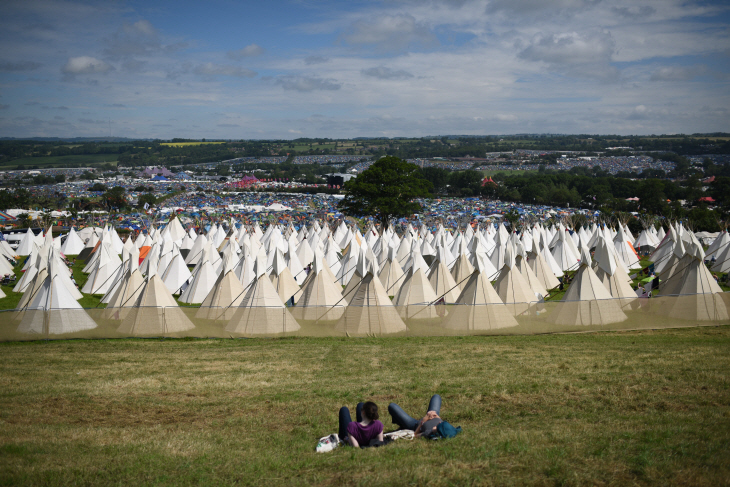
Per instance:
{"type": "Point", "coordinates": [25, 247]}
{"type": "Point", "coordinates": [282, 279]}
{"type": "Point", "coordinates": [73, 244]}
{"type": "Point", "coordinates": [698, 294]}
{"type": "Point", "coordinates": [261, 311]}
{"type": "Point", "coordinates": [225, 296]}
{"type": "Point", "coordinates": [625, 250]}
{"type": "Point", "coordinates": [320, 297]}
{"type": "Point", "coordinates": [369, 310]}
{"type": "Point", "coordinates": [415, 299]}
{"type": "Point", "coordinates": [177, 274]}
{"type": "Point", "coordinates": [125, 295]}
{"type": "Point", "coordinates": [478, 307]}
{"type": "Point", "coordinates": [53, 310]}
{"type": "Point", "coordinates": [587, 301]}
{"type": "Point", "coordinates": [204, 278]}
{"type": "Point", "coordinates": [103, 272]}
{"type": "Point", "coordinates": [512, 288]}
{"type": "Point", "coordinates": [391, 274]}
{"type": "Point", "coordinates": [611, 274]}
{"type": "Point", "coordinates": [441, 279]}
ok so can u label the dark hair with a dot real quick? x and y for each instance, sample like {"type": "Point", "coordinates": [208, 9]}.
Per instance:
{"type": "Point", "coordinates": [370, 410]}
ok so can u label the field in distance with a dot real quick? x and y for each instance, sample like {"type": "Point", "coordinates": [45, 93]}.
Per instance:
{"type": "Point", "coordinates": [642, 408]}
{"type": "Point", "coordinates": [184, 144]}
{"type": "Point", "coordinates": [59, 161]}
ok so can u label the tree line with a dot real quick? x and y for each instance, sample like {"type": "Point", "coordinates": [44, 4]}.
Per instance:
{"type": "Point", "coordinates": [387, 188]}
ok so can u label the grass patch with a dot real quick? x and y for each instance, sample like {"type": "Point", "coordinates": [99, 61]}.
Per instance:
{"type": "Point", "coordinates": [11, 299]}
{"type": "Point", "coordinates": [609, 408]}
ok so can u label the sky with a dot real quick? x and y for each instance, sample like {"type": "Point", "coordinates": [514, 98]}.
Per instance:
{"type": "Point", "coordinates": [302, 68]}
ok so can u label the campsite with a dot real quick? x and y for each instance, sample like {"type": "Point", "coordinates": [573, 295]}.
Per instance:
{"type": "Point", "coordinates": [226, 352]}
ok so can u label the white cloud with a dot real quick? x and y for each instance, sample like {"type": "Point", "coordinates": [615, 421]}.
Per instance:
{"type": "Point", "coordinates": [578, 55]}
{"type": "Point", "coordinates": [249, 51]}
{"type": "Point", "coordinates": [570, 48]}
{"type": "Point", "coordinates": [640, 112]}
{"type": "Point", "coordinates": [86, 65]}
{"type": "Point", "coordinates": [377, 68]}
{"type": "Point", "coordinates": [390, 32]}
{"type": "Point", "coordinates": [531, 6]}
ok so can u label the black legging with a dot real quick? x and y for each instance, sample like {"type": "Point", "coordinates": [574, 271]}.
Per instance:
{"type": "Point", "coordinates": [403, 420]}
{"type": "Point", "coordinates": [346, 419]}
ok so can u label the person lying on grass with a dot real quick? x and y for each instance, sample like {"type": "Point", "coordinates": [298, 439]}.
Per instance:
{"type": "Point", "coordinates": [367, 427]}
{"type": "Point", "coordinates": [426, 426]}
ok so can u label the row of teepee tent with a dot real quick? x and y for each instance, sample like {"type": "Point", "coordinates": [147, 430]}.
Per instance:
{"type": "Point", "coordinates": [371, 282]}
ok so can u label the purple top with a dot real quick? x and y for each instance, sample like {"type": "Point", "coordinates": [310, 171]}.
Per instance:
{"type": "Point", "coordinates": [363, 434]}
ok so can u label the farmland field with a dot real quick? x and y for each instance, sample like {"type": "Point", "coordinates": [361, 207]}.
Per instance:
{"type": "Point", "coordinates": [185, 144]}
{"type": "Point", "coordinates": [59, 161]}
{"type": "Point", "coordinates": [709, 137]}
{"type": "Point", "coordinates": [639, 408]}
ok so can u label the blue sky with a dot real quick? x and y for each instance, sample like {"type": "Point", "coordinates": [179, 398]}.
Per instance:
{"type": "Point", "coordinates": [288, 69]}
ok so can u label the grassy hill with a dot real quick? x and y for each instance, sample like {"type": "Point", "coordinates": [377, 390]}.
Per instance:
{"type": "Point", "coordinates": [611, 408]}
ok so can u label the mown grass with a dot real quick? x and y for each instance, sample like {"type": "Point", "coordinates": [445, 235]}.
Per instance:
{"type": "Point", "coordinates": [639, 408]}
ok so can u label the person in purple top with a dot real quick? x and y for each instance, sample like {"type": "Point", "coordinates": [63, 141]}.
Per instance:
{"type": "Point", "coordinates": [367, 427]}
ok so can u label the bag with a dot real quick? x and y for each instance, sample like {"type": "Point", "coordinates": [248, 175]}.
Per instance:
{"type": "Point", "coordinates": [401, 434]}
{"type": "Point", "coordinates": [444, 430]}
{"type": "Point", "coordinates": [328, 443]}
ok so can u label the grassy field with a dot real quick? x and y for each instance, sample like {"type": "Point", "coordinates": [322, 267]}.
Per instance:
{"type": "Point", "coordinates": [306, 147]}
{"type": "Point", "coordinates": [494, 172]}
{"type": "Point", "coordinates": [185, 144]}
{"type": "Point", "coordinates": [60, 161]}
{"type": "Point", "coordinates": [720, 139]}
{"type": "Point", "coordinates": [639, 408]}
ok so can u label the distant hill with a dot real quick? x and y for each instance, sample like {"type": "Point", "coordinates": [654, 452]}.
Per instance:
{"type": "Point", "coordinates": [72, 139]}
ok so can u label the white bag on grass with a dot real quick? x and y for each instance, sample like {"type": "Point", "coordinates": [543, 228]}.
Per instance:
{"type": "Point", "coordinates": [328, 443]}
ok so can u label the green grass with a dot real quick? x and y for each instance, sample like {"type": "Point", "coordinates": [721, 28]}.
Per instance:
{"type": "Point", "coordinates": [301, 148]}
{"type": "Point", "coordinates": [60, 161]}
{"type": "Point", "coordinates": [494, 172]}
{"type": "Point", "coordinates": [631, 408]}
{"type": "Point", "coordinates": [89, 300]}
{"type": "Point", "coordinates": [11, 299]}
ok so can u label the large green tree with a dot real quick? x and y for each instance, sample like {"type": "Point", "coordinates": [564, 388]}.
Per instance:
{"type": "Point", "coordinates": [114, 198]}
{"type": "Point", "coordinates": [146, 198]}
{"type": "Point", "coordinates": [386, 190]}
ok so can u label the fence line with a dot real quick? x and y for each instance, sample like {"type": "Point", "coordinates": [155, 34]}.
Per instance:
{"type": "Point", "coordinates": [424, 319]}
